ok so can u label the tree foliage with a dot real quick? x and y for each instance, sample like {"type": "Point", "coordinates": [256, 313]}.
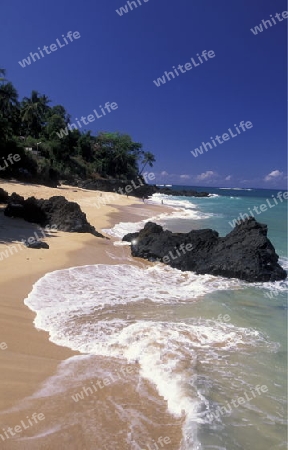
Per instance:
{"type": "Point", "coordinates": [33, 123]}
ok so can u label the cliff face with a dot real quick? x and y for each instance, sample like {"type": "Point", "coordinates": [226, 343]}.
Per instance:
{"type": "Point", "coordinates": [245, 253]}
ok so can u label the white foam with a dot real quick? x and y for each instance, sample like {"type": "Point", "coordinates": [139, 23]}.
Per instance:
{"type": "Point", "coordinates": [43, 434]}
{"type": "Point", "coordinates": [237, 189]}
{"type": "Point", "coordinates": [74, 304]}
{"type": "Point", "coordinates": [280, 286]}
{"type": "Point", "coordinates": [159, 283]}
{"type": "Point", "coordinates": [122, 228]}
{"type": "Point", "coordinates": [175, 202]}
{"type": "Point", "coordinates": [283, 261]}
{"type": "Point", "coordinates": [67, 304]}
{"type": "Point", "coordinates": [184, 210]}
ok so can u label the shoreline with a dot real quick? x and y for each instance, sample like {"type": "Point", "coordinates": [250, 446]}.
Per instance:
{"type": "Point", "coordinates": [40, 377]}
{"type": "Point", "coordinates": [30, 356]}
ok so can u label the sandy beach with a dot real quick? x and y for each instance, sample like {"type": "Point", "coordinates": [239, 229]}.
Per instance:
{"type": "Point", "coordinates": [28, 358]}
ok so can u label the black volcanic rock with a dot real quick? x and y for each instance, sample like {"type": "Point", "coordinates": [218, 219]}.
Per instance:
{"type": "Point", "coordinates": [140, 191]}
{"type": "Point", "coordinates": [245, 253]}
{"type": "Point", "coordinates": [67, 216]}
{"type": "Point", "coordinates": [3, 196]}
{"type": "Point", "coordinates": [182, 193]}
{"type": "Point", "coordinates": [37, 245]}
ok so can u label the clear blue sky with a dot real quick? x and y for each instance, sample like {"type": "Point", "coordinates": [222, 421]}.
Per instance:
{"type": "Point", "coordinates": [117, 58]}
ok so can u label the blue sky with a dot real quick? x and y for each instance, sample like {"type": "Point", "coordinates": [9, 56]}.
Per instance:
{"type": "Point", "coordinates": [117, 58]}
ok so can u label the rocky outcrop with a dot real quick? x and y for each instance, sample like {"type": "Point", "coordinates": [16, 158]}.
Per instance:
{"type": "Point", "coordinates": [245, 253]}
{"type": "Point", "coordinates": [139, 188]}
{"type": "Point", "coordinates": [3, 196]}
{"type": "Point", "coordinates": [182, 193]}
{"type": "Point", "coordinates": [57, 211]}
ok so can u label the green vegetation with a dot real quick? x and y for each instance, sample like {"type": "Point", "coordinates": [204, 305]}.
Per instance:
{"type": "Point", "coordinates": [32, 124]}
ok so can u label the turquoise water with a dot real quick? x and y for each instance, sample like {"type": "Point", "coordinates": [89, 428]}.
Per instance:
{"type": "Point", "coordinates": [261, 422]}
{"type": "Point", "coordinates": [227, 206]}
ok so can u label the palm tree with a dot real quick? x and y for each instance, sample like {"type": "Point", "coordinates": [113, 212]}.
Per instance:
{"type": "Point", "coordinates": [33, 113]}
{"type": "Point", "coordinates": [8, 99]}
{"type": "Point", "coordinates": [2, 75]}
{"type": "Point", "coordinates": [148, 158]}
{"type": "Point", "coordinates": [9, 109]}
{"type": "Point", "coordinates": [120, 161]}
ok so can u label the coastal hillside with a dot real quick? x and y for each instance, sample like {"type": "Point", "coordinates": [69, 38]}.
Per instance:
{"type": "Point", "coordinates": [40, 143]}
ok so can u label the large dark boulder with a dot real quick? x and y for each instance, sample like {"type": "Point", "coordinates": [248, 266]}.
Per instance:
{"type": "Point", "coordinates": [4, 196]}
{"type": "Point", "coordinates": [245, 253]}
{"type": "Point", "coordinates": [57, 211]}
{"type": "Point", "coordinates": [37, 245]}
{"type": "Point", "coordinates": [28, 210]}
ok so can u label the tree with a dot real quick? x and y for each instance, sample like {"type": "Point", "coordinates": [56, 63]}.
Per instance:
{"type": "Point", "coordinates": [9, 108]}
{"type": "Point", "coordinates": [58, 110]}
{"type": "Point", "coordinates": [8, 99]}
{"type": "Point", "coordinates": [148, 158]}
{"type": "Point", "coordinates": [54, 123]}
{"type": "Point", "coordinates": [85, 146]}
{"type": "Point", "coordinates": [75, 153]}
{"type": "Point", "coordinates": [2, 75]}
{"type": "Point", "coordinates": [33, 113]}
{"type": "Point", "coordinates": [119, 154]}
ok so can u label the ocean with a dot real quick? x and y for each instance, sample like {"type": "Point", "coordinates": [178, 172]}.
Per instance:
{"type": "Point", "coordinates": [209, 353]}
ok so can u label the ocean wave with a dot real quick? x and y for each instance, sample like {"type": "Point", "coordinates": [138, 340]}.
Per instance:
{"type": "Point", "coordinates": [186, 211]}
{"type": "Point", "coordinates": [170, 200]}
{"type": "Point", "coordinates": [70, 304]}
{"type": "Point", "coordinates": [159, 283]}
{"type": "Point", "coordinates": [283, 261]}
{"type": "Point", "coordinates": [276, 286]}
{"type": "Point", "coordinates": [236, 189]}
{"type": "Point", "coordinates": [122, 228]}
{"type": "Point", "coordinates": [87, 309]}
